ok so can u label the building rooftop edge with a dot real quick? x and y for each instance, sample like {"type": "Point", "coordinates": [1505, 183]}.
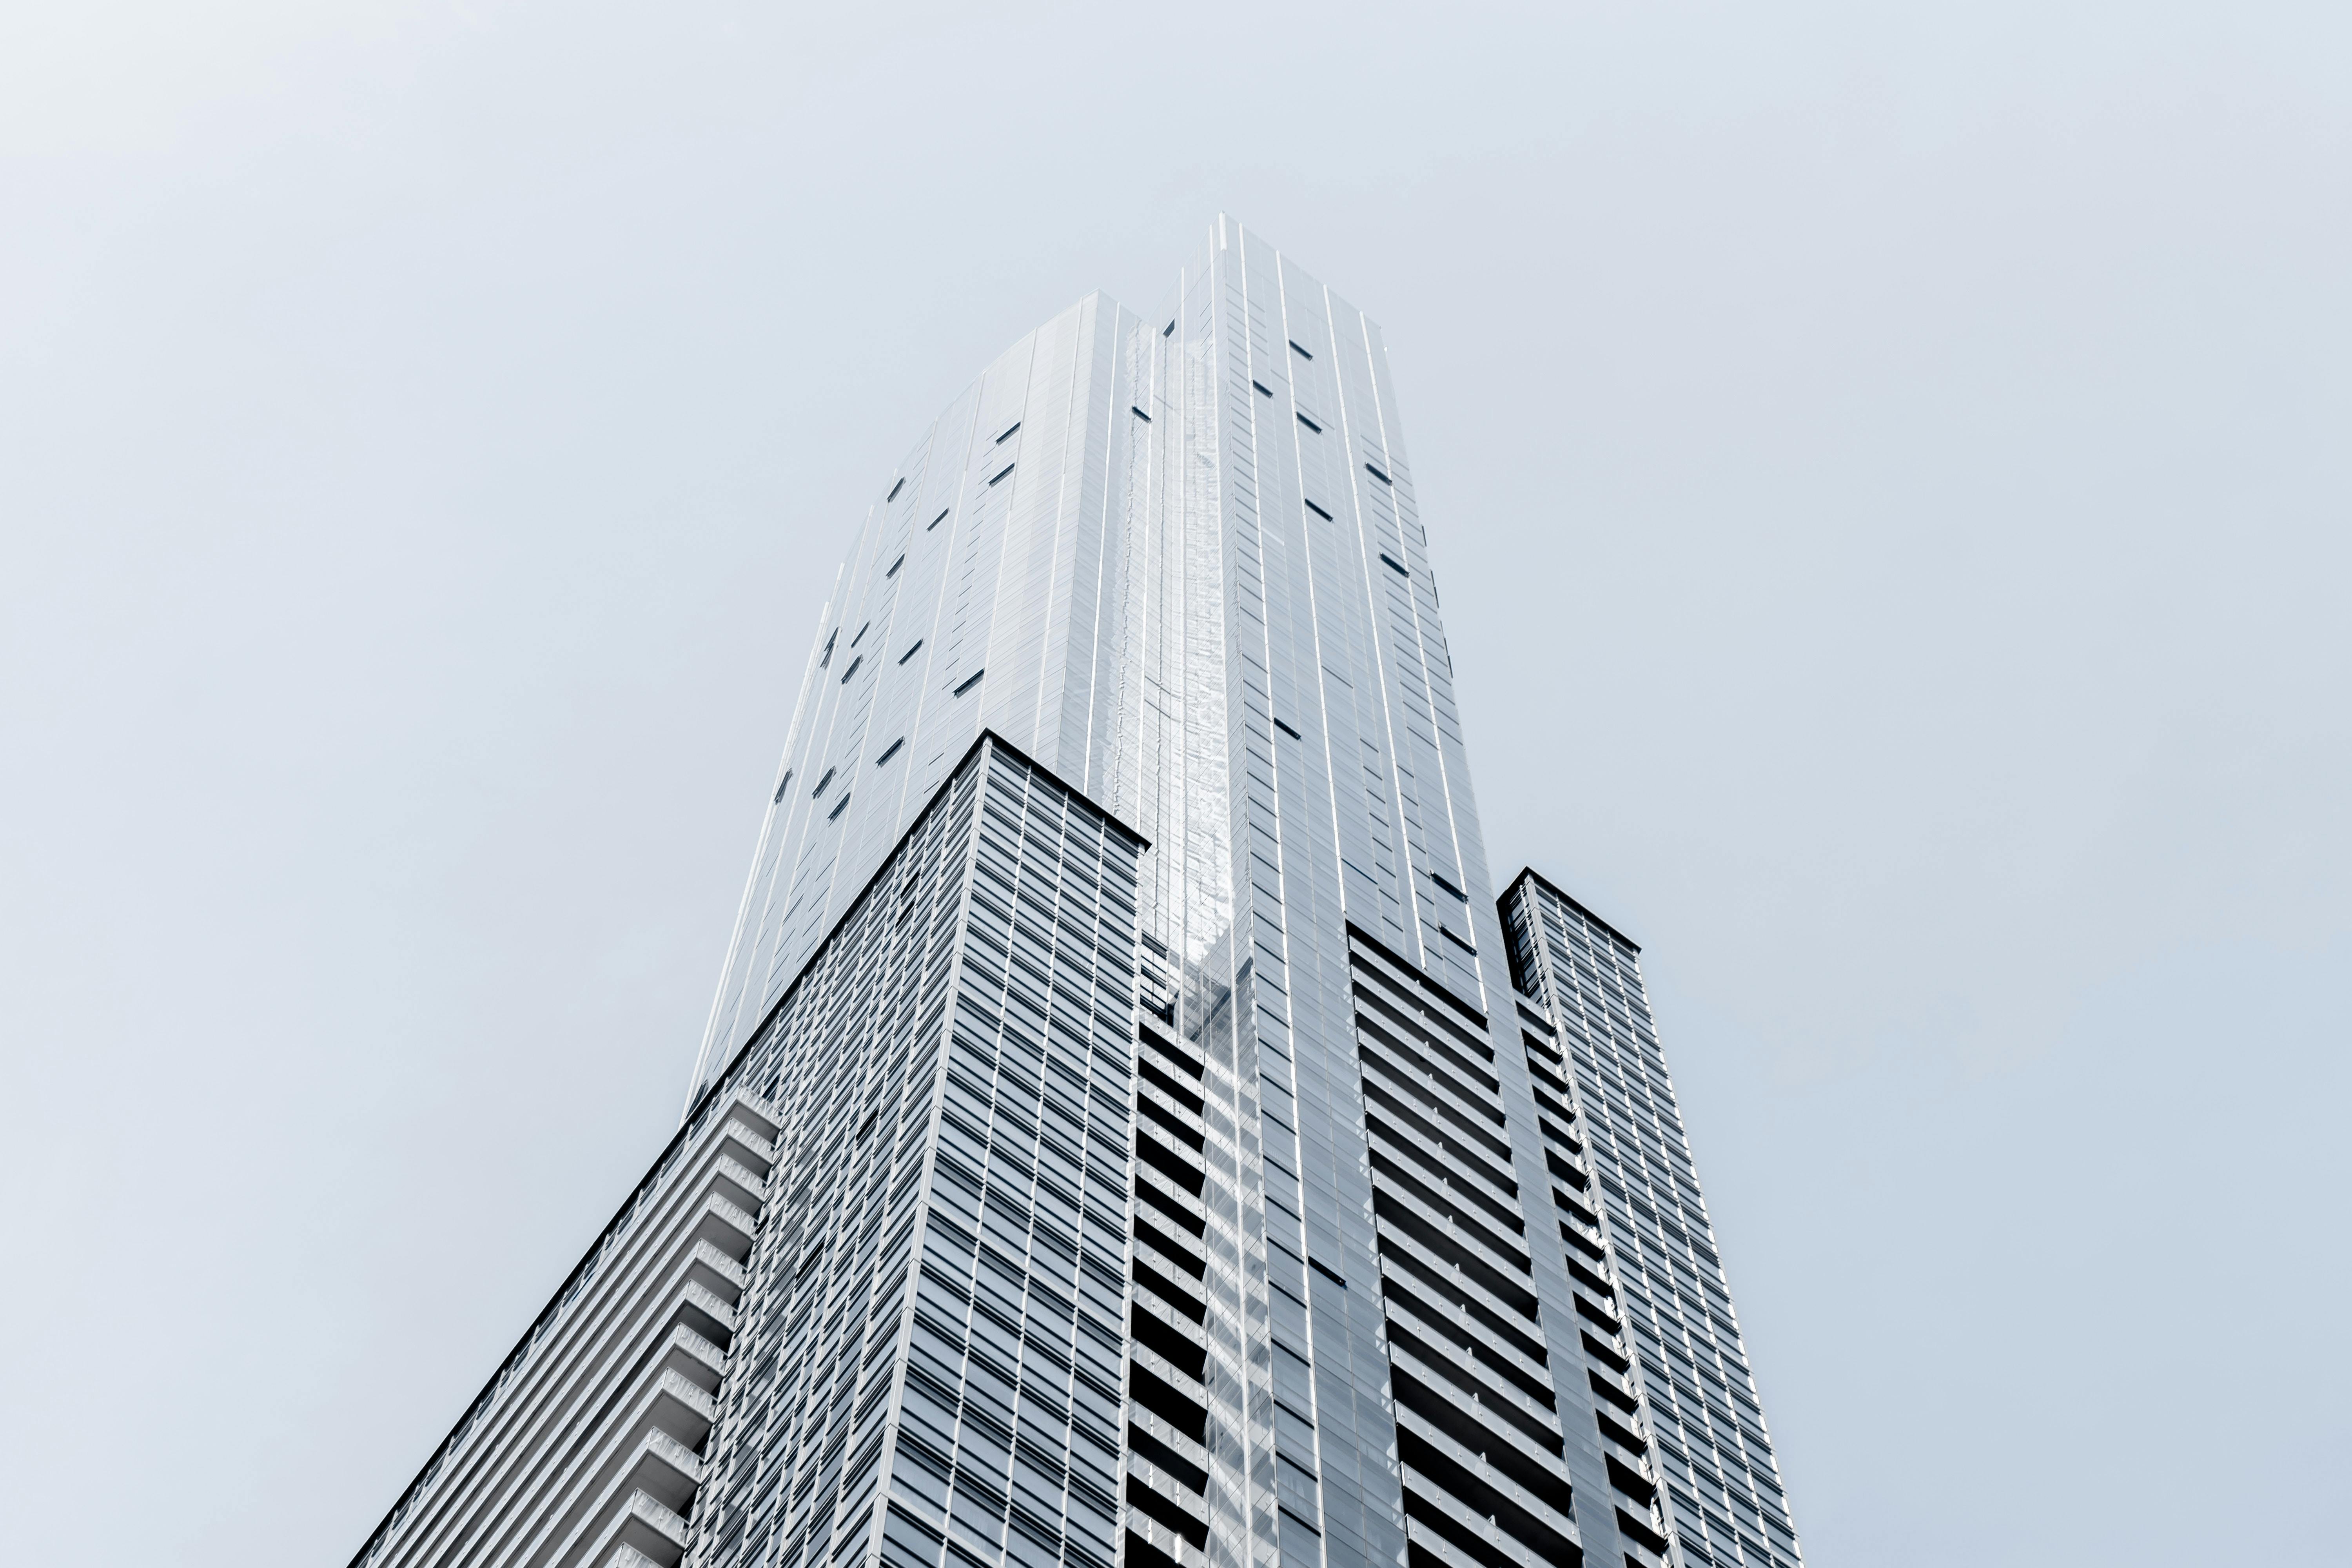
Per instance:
{"type": "Point", "coordinates": [1527, 873]}
{"type": "Point", "coordinates": [703, 1103]}
{"type": "Point", "coordinates": [985, 737]}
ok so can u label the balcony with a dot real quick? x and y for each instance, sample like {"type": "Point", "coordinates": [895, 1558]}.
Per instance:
{"type": "Point", "coordinates": [643, 1526]}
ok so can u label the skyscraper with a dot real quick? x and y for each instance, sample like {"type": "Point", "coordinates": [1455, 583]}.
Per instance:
{"type": "Point", "coordinates": [1128, 1130]}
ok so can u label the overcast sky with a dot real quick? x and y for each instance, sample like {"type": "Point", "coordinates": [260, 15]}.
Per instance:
{"type": "Point", "coordinates": [1887, 472]}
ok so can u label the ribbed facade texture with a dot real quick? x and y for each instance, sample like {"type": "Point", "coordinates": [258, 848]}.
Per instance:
{"type": "Point", "coordinates": [1127, 1131]}
{"type": "Point", "coordinates": [1641, 1239]}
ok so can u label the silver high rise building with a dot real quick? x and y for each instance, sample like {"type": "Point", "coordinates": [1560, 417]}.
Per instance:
{"type": "Point", "coordinates": [1128, 1130]}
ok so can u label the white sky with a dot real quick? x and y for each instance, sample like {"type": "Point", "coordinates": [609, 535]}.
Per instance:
{"type": "Point", "coordinates": [1888, 478]}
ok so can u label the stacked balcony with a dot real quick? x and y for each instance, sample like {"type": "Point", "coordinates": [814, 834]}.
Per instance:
{"type": "Point", "coordinates": [1168, 1348]}
{"type": "Point", "coordinates": [1617, 1410]}
{"type": "Point", "coordinates": [1477, 1414]}
{"type": "Point", "coordinates": [589, 1449]}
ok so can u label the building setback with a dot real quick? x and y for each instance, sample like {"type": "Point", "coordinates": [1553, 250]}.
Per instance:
{"type": "Point", "coordinates": [1129, 1131]}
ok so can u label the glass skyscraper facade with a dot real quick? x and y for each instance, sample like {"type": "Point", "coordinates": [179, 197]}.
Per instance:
{"type": "Point", "coordinates": [1129, 1131]}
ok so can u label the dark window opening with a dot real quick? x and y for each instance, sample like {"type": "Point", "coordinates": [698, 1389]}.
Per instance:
{"type": "Point", "coordinates": [1171, 1208]}
{"type": "Point", "coordinates": [1168, 1118]}
{"type": "Point", "coordinates": [1401, 1298]}
{"type": "Point", "coordinates": [1288, 731]}
{"type": "Point", "coordinates": [1459, 1536]}
{"type": "Point", "coordinates": [969, 681]}
{"type": "Point", "coordinates": [1168, 1048]}
{"type": "Point", "coordinates": [1441, 1242]}
{"type": "Point", "coordinates": [1619, 1433]}
{"type": "Point", "coordinates": [1168, 1246]}
{"type": "Point", "coordinates": [895, 565]}
{"type": "Point", "coordinates": [1008, 432]}
{"type": "Point", "coordinates": [861, 634]}
{"type": "Point", "coordinates": [912, 651]}
{"type": "Point", "coordinates": [1168, 1164]}
{"type": "Point", "coordinates": [1169, 328]}
{"type": "Point", "coordinates": [1310, 425]}
{"type": "Point", "coordinates": [1195, 1532]}
{"type": "Point", "coordinates": [894, 489]}
{"type": "Point", "coordinates": [1446, 887]}
{"type": "Point", "coordinates": [784, 786]}
{"type": "Point", "coordinates": [1263, 387]}
{"type": "Point", "coordinates": [1172, 1404]}
{"type": "Point", "coordinates": [1002, 473]}
{"type": "Point", "coordinates": [1170, 1463]}
{"type": "Point", "coordinates": [1433, 1405]}
{"type": "Point", "coordinates": [1485, 1317]}
{"type": "Point", "coordinates": [1319, 511]}
{"type": "Point", "coordinates": [1138, 413]}
{"type": "Point", "coordinates": [821, 783]}
{"type": "Point", "coordinates": [852, 669]}
{"type": "Point", "coordinates": [1450, 1174]}
{"type": "Point", "coordinates": [839, 807]}
{"type": "Point", "coordinates": [895, 748]}
{"type": "Point", "coordinates": [1176, 1349]}
{"type": "Point", "coordinates": [1169, 1084]}
{"type": "Point", "coordinates": [1304, 352]}
{"type": "Point", "coordinates": [1398, 566]}
{"type": "Point", "coordinates": [1436, 1136]}
{"type": "Point", "coordinates": [1641, 1532]}
{"type": "Point", "coordinates": [1477, 1496]}
{"type": "Point", "coordinates": [1443, 1202]}
{"type": "Point", "coordinates": [1378, 475]}
{"type": "Point", "coordinates": [936, 521]}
